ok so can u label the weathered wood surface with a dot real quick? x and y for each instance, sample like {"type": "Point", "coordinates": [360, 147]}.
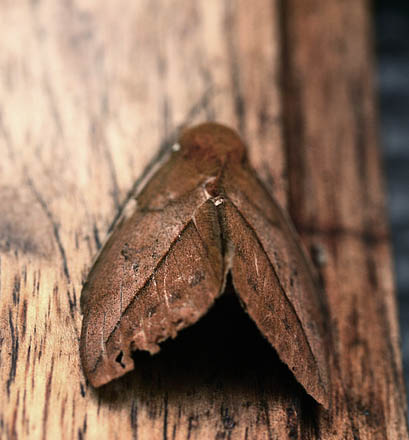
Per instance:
{"type": "Point", "coordinates": [90, 93]}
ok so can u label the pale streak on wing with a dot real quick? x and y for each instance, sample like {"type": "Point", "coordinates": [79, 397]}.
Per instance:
{"type": "Point", "coordinates": [103, 349]}
{"type": "Point", "coordinates": [165, 293]}
{"type": "Point", "coordinates": [256, 264]}
{"type": "Point", "coordinates": [121, 298]}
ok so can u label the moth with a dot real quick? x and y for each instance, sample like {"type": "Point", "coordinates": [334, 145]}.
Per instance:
{"type": "Point", "coordinates": [202, 215]}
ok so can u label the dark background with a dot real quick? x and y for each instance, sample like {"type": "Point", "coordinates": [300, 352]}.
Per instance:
{"type": "Point", "coordinates": [392, 47]}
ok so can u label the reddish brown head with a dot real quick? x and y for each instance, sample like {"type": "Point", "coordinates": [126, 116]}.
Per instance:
{"type": "Point", "coordinates": [211, 143]}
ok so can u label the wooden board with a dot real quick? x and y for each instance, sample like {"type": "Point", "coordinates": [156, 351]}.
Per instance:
{"type": "Point", "coordinates": [91, 94]}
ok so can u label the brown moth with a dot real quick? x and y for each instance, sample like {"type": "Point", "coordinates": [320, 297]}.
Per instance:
{"type": "Point", "coordinates": [203, 214]}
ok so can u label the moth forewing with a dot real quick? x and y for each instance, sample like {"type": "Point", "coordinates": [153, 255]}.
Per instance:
{"type": "Point", "coordinates": [159, 272]}
{"type": "Point", "coordinates": [257, 281]}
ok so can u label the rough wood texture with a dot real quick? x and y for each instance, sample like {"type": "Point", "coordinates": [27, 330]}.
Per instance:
{"type": "Point", "coordinates": [90, 93]}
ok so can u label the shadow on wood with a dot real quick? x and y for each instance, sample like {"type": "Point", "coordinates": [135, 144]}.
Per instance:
{"type": "Point", "coordinates": [223, 353]}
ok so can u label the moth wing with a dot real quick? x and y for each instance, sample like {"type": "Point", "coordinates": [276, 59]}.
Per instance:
{"type": "Point", "coordinates": [273, 279]}
{"type": "Point", "coordinates": [159, 272]}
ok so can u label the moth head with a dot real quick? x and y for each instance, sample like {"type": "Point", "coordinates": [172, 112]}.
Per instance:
{"type": "Point", "coordinates": [211, 144]}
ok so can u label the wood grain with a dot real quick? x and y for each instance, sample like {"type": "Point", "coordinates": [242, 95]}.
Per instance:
{"type": "Point", "coordinates": [91, 94]}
